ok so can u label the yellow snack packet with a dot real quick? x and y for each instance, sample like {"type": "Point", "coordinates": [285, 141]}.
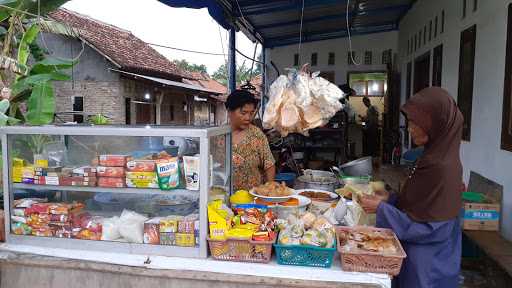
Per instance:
{"type": "Point", "coordinates": [219, 220]}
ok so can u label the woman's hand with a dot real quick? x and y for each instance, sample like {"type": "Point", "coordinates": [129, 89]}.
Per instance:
{"type": "Point", "coordinates": [369, 203]}
{"type": "Point", "coordinates": [383, 195]}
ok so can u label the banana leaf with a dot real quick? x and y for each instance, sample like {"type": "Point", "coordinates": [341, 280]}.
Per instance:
{"type": "Point", "coordinates": [41, 105]}
{"type": "Point", "coordinates": [28, 37]}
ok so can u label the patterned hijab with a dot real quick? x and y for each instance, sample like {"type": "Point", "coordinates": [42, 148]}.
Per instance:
{"type": "Point", "coordinates": [432, 192]}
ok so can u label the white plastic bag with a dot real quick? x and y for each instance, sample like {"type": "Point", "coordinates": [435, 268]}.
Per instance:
{"type": "Point", "coordinates": [110, 230]}
{"type": "Point", "coordinates": [131, 226]}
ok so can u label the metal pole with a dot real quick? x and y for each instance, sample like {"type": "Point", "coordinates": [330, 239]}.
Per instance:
{"type": "Point", "coordinates": [232, 60]}
{"type": "Point", "coordinates": [263, 79]}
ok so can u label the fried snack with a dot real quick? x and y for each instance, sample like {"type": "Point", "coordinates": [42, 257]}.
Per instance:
{"type": "Point", "coordinates": [273, 189]}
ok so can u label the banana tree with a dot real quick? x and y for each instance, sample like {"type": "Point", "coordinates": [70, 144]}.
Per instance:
{"type": "Point", "coordinates": [32, 84]}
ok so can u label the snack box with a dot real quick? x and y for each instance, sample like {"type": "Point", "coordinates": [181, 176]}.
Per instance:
{"type": "Point", "coordinates": [185, 240]}
{"type": "Point", "coordinates": [152, 231]}
{"type": "Point", "coordinates": [18, 162]}
{"type": "Point", "coordinates": [27, 180]}
{"type": "Point", "coordinates": [480, 216]}
{"type": "Point", "coordinates": [49, 169]}
{"type": "Point", "coordinates": [48, 174]}
{"type": "Point", "coordinates": [41, 163]}
{"type": "Point", "coordinates": [78, 181]}
{"type": "Point", "coordinates": [169, 224]}
{"type": "Point", "coordinates": [141, 183]}
{"type": "Point", "coordinates": [105, 171]}
{"type": "Point", "coordinates": [113, 160]}
{"type": "Point", "coordinates": [17, 174]}
{"type": "Point", "coordinates": [168, 238]}
{"type": "Point", "coordinates": [141, 175]}
{"type": "Point", "coordinates": [111, 182]}
{"type": "Point", "coordinates": [28, 172]}
{"type": "Point", "coordinates": [46, 180]}
{"type": "Point", "coordinates": [85, 171]}
{"type": "Point", "coordinates": [141, 166]}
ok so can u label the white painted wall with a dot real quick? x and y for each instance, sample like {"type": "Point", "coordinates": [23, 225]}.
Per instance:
{"type": "Point", "coordinates": [482, 154]}
{"type": "Point", "coordinates": [377, 43]}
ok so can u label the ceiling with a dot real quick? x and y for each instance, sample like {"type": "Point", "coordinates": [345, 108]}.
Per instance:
{"type": "Point", "coordinates": [278, 22]}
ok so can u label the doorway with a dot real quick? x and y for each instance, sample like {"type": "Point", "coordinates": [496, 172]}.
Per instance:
{"type": "Point", "coordinates": [421, 72]}
{"type": "Point", "coordinates": [145, 113]}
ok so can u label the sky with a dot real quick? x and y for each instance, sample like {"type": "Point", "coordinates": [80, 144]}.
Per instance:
{"type": "Point", "coordinates": [154, 22]}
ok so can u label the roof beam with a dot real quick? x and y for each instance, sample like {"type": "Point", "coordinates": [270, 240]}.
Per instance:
{"type": "Point", "coordinates": [400, 8]}
{"type": "Point", "coordinates": [283, 6]}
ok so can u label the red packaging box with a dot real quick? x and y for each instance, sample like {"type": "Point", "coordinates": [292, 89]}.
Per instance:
{"type": "Point", "coordinates": [141, 166]}
{"type": "Point", "coordinates": [111, 182]}
{"type": "Point", "coordinates": [104, 171]}
{"type": "Point", "coordinates": [113, 160]}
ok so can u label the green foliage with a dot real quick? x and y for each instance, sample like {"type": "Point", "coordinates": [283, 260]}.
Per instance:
{"type": "Point", "coordinates": [243, 74]}
{"type": "Point", "coordinates": [185, 65]}
{"type": "Point", "coordinates": [41, 105]}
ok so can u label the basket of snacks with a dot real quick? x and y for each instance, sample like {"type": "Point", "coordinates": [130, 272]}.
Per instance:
{"type": "Point", "coordinates": [306, 241]}
{"type": "Point", "coordinates": [244, 234]}
{"type": "Point", "coordinates": [369, 249]}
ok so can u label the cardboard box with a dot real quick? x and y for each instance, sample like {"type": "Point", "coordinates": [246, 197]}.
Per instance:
{"type": "Point", "coordinates": [479, 216]}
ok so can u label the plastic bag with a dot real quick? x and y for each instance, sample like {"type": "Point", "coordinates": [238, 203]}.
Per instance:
{"type": "Point", "coordinates": [131, 226]}
{"type": "Point", "coordinates": [110, 229]}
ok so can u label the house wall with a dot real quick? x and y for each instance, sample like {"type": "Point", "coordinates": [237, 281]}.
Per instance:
{"type": "Point", "coordinates": [283, 57]}
{"type": "Point", "coordinates": [482, 154]}
{"type": "Point", "coordinates": [90, 78]}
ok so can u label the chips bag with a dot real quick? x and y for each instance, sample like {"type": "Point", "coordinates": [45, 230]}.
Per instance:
{"type": "Point", "coordinates": [168, 173]}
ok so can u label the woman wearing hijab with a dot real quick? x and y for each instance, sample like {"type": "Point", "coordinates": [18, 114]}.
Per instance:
{"type": "Point", "coordinates": [425, 215]}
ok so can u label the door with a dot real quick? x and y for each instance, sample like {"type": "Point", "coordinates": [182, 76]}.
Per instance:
{"type": "Point", "coordinates": [144, 113]}
{"type": "Point", "coordinates": [422, 72]}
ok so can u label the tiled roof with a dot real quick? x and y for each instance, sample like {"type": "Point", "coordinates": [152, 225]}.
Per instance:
{"type": "Point", "coordinates": [205, 81]}
{"type": "Point", "coordinates": [121, 46]}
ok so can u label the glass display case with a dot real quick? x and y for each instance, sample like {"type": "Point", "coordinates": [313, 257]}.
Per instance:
{"type": "Point", "coordinates": [141, 190]}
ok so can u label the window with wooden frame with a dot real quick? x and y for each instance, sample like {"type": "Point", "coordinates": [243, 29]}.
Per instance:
{"type": "Point", "coordinates": [506, 130]}
{"type": "Point", "coordinates": [437, 68]}
{"type": "Point", "coordinates": [430, 31]}
{"type": "Point", "coordinates": [466, 78]}
{"type": "Point", "coordinates": [442, 22]}
{"type": "Point", "coordinates": [425, 35]}
{"type": "Point", "coordinates": [332, 59]}
{"type": "Point", "coordinates": [368, 57]}
{"type": "Point", "coordinates": [296, 60]}
{"type": "Point", "coordinates": [387, 56]}
{"type": "Point", "coordinates": [78, 106]}
{"type": "Point", "coordinates": [314, 59]}
{"type": "Point", "coordinates": [464, 8]}
{"type": "Point", "coordinates": [435, 27]}
{"type": "Point", "coordinates": [373, 84]}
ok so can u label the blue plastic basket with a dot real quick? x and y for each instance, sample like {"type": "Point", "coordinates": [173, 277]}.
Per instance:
{"type": "Point", "coordinates": [300, 255]}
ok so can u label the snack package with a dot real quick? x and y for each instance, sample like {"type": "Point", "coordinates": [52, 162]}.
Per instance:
{"type": "Point", "coordinates": [86, 171]}
{"type": "Point", "coordinates": [86, 234]}
{"type": "Point", "coordinates": [141, 166]}
{"type": "Point", "coordinates": [308, 219]}
{"type": "Point", "coordinates": [111, 182]}
{"type": "Point", "coordinates": [18, 212]}
{"type": "Point", "coordinates": [131, 226]}
{"type": "Point", "coordinates": [219, 219]}
{"type": "Point", "coordinates": [191, 167]}
{"type": "Point", "coordinates": [104, 171]}
{"type": "Point", "coordinates": [44, 231]}
{"type": "Point", "coordinates": [168, 173]}
{"type": "Point", "coordinates": [21, 229]}
{"type": "Point", "coordinates": [186, 226]}
{"type": "Point", "coordinates": [152, 231]}
{"type": "Point", "coordinates": [110, 229]}
{"type": "Point", "coordinates": [113, 160]}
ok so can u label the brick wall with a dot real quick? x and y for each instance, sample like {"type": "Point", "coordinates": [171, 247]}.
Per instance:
{"type": "Point", "coordinates": [99, 97]}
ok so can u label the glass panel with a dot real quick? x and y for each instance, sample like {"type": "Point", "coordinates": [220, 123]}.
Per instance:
{"type": "Point", "coordinates": [110, 188]}
{"type": "Point", "coordinates": [220, 182]}
{"type": "Point", "coordinates": [375, 87]}
{"type": "Point", "coordinates": [359, 87]}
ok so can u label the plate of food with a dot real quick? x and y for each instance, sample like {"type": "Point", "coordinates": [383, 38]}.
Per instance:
{"type": "Point", "coordinates": [273, 192]}
{"type": "Point", "coordinates": [318, 195]}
